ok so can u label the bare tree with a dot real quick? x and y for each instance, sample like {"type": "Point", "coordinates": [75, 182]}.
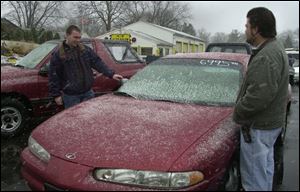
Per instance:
{"type": "Point", "coordinates": [111, 14]}
{"type": "Point", "coordinates": [34, 14]}
{"type": "Point", "coordinates": [236, 36]}
{"type": "Point", "coordinates": [219, 37]}
{"type": "Point", "coordinates": [170, 14]}
{"type": "Point", "coordinates": [133, 12]}
{"type": "Point", "coordinates": [204, 35]}
{"type": "Point", "coordinates": [188, 28]}
{"type": "Point", "coordinates": [3, 3]}
{"type": "Point", "coordinates": [108, 12]}
{"type": "Point", "coordinates": [289, 38]}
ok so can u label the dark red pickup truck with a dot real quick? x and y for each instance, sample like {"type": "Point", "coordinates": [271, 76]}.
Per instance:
{"type": "Point", "coordinates": [24, 86]}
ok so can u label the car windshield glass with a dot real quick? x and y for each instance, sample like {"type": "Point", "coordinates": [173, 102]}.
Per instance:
{"type": "Point", "coordinates": [36, 56]}
{"type": "Point", "coordinates": [198, 81]}
{"type": "Point", "coordinates": [122, 53]}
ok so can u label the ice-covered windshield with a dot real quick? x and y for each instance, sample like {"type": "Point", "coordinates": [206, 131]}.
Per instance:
{"type": "Point", "coordinates": [200, 81]}
{"type": "Point", "coordinates": [36, 56]}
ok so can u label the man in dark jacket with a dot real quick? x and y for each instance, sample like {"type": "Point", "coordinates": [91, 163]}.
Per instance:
{"type": "Point", "coordinates": [261, 104]}
{"type": "Point", "coordinates": [71, 75]}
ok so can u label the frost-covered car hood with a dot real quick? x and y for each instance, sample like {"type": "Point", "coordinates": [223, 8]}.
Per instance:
{"type": "Point", "coordinates": [122, 132]}
{"type": "Point", "coordinates": [11, 76]}
{"type": "Point", "coordinates": [12, 72]}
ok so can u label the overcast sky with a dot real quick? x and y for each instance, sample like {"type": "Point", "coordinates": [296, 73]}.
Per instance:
{"type": "Point", "coordinates": [225, 16]}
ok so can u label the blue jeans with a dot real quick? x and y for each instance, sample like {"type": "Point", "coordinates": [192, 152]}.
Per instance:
{"type": "Point", "coordinates": [257, 160]}
{"type": "Point", "coordinates": [71, 100]}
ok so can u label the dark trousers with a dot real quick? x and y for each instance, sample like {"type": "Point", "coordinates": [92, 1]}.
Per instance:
{"type": "Point", "coordinates": [71, 100]}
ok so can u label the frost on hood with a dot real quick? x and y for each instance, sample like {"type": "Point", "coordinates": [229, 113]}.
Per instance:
{"type": "Point", "coordinates": [187, 81]}
{"type": "Point", "coordinates": [215, 148]}
{"type": "Point", "coordinates": [125, 128]}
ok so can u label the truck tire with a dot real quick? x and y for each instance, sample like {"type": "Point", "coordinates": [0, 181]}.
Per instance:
{"type": "Point", "coordinates": [13, 116]}
{"type": "Point", "coordinates": [281, 138]}
{"type": "Point", "coordinates": [291, 80]}
{"type": "Point", "coordinates": [278, 164]}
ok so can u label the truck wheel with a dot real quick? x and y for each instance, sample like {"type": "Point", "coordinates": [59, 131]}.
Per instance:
{"type": "Point", "coordinates": [282, 135]}
{"type": "Point", "coordinates": [13, 116]}
{"type": "Point", "coordinates": [278, 165]}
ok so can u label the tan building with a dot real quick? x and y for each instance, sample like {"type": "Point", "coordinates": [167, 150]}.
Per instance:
{"type": "Point", "coordinates": [151, 39]}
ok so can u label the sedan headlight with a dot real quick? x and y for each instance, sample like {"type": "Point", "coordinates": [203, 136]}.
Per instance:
{"type": "Point", "coordinates": [149, 178]}
{"type": "Point", "coordinates": [38, 150]}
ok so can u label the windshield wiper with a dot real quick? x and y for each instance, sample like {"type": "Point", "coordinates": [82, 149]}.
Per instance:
{"type": "Point", "coordinates": [123, 94]}
{"type": "Point", "coordinates": [17, 65]}
{"type": "Point", "coordinates": [165, 100]}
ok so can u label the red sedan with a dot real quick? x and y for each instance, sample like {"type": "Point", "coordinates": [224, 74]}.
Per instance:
{"type": "Point", "coordinates": [168, 128]}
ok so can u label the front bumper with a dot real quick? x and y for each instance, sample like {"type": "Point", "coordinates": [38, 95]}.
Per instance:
{"type": "Point", "coordinates": [59, 174]}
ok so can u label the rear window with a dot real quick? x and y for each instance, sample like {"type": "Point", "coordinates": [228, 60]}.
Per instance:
{"type": "Point", "coordinates": [122, 53]}
{"type": "Point", "coordinates": [228, 49]}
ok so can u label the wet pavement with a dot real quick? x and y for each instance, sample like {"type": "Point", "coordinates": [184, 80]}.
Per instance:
{"type": "Point", "coordinates": [291, 147]}
{"type": "Point", "coordinates": [11, 149]}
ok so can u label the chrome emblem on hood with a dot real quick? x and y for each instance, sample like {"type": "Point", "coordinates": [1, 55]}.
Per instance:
{"type": "Point", "coordinates": [71, 155]}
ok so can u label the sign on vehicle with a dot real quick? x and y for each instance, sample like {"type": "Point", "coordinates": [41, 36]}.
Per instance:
{"type": "Point", "coordinates": [122, 37]}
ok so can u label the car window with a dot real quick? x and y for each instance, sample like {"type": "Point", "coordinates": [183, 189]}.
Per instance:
{"type": "Point", "coordinates": [122, 53]}
{"type": "Point", "coordinates": [32, 59]}
{"type": "Point", "coordinates": [296, 57]}
{"type": "Point", "coordinates": [199, 81]}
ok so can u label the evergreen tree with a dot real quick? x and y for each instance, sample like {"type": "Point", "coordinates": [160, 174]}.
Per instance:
{"type": "Point", "coordinates": [56, 36]}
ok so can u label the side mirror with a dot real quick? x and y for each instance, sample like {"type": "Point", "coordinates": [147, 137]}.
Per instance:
{"type": "Point", "coordinates": [44, 71]}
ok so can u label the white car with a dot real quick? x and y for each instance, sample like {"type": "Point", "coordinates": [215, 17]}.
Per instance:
{"type": "Point", "coordinates": [295, 55]}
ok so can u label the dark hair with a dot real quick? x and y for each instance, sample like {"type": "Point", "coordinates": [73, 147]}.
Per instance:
{"type": "Point", "coordinates": [264, 20]}
{"type": "Point", "coordinates": [72, 28]}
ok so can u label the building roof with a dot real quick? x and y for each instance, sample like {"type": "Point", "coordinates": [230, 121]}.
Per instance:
{"type": "Point", "coordinates": [159, 41]}
{"type": "Point", "coordinates": [178, 33]}
{"type": "Point", "coordinates": [4, 20]}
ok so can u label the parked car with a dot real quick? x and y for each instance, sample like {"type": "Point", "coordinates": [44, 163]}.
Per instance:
{"type": "Point", "coordinates": [24, 86]}
{"type": "Point", "coordinates": [244, 48]}
{"type": "Point", "coordinates": [247, 49]}
{"type": "Point", "coordinates": [291, 70]}
{"type": "Point", "coordinates": [167, 128]}
{"type": "Point", "coordinates": [294, 57]}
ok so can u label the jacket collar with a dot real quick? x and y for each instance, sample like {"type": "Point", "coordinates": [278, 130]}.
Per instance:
{"type": "Point", "coordinates": [255, 51]}
{"type": "Point", "coordinates": [66, 46]}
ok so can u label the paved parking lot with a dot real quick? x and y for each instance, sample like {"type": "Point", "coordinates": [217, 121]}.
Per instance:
{"type": "Point", "coordinates": [11, 149]}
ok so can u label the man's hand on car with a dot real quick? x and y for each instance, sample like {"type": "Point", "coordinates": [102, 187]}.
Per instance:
{"type": "Point", "coordinates": [58, 100]}
{"type": "Point", "coordinates": [117, 77]}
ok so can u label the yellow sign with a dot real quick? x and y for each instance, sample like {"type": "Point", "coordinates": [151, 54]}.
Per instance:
{"type": "Point", "coordinates": [122, 37]}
